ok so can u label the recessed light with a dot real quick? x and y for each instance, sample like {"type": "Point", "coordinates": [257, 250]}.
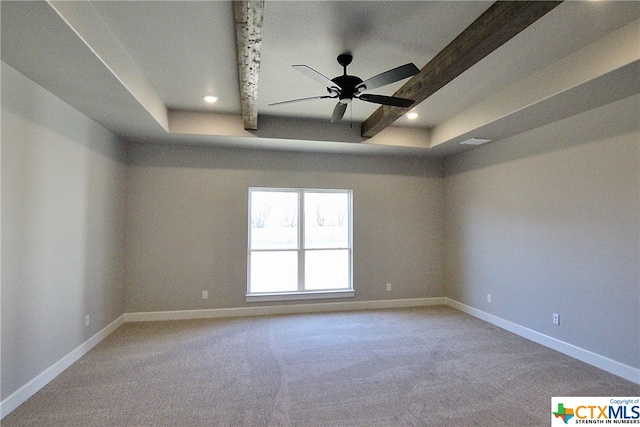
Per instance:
{"type": "Point", "coordinates": [210, 98]}
{"type": "Point", "coordinates": [412, 115]}
{"type": "Point", "coordinates": [476, 141]}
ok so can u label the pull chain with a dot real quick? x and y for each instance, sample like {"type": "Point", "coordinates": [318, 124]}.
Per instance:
{"type": "Point", "coordinates": [351, 115]}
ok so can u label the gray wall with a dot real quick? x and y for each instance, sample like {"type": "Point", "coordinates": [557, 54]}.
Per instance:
{"type": "Point", "coordinates": [63, 183]}
{"type": "Point", "coordinates": [187, 222]}
{"type": "Point", "coordinates": [548, 222]}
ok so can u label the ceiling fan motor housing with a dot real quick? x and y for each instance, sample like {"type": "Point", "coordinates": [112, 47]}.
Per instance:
{"type": "Point", "coordinates": [347, 85]}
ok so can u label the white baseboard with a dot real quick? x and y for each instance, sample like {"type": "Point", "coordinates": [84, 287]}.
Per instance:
{"type": "Point", "coordinates": [21, 395]}
{"type": "Point", "coordinates": [281, 309]}
{"type": "Point", "coordinates": [620, 369]}
{"type": "Point", "coordinates": [25, 392]}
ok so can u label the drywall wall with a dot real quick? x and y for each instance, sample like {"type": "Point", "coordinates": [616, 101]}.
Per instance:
{"type": "Point", "coordinates": [63, 183]}
{"type": "Point", "coordinates": [187, 222]}
{"type": "Point", "coordinates": [548, 222]}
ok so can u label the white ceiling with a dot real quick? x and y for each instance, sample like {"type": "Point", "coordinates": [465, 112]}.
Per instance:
{"type": "Point", "coordinates": [149, 57]}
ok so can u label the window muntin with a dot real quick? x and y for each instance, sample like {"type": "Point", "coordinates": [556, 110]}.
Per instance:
{"type": "Point", "coordinates": [299, 241]}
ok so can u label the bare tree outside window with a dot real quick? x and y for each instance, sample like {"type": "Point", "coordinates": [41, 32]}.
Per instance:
{"type": "Point", "coordinates": [259, 215]}
{"type": "Point", "coordinates": [342, 215]}
{"type": "Point", "coordinates": [291, 217]}
{"type": "Point", "coordinates": [319, 216]}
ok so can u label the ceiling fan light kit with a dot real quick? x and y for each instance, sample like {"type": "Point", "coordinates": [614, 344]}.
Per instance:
{"type": "Point", "coordinates": [345, 87]}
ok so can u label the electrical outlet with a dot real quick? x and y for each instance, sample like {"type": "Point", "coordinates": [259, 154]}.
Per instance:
{"type": "Point", "coordinates": [87, 320]}
{"type": "Point", "coordinates": [556, 319]}
{"type": "Point", "coordinates": [205, 294]}
{"type": "Point", "coordinates": [489, 298]}
{"type": "Point", "coordinates": [388, 286]}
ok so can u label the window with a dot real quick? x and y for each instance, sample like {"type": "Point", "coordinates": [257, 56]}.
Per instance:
{"type": "Point", "coordinates": [300, 244]}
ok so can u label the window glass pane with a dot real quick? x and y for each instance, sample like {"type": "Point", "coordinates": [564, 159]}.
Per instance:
{"type": "Point", "coordinates": [326, 217]}
{"type": "Point", "coordinates": [326, 269]}
{"type": "Point", "coordinates": [274, 220]}
{"type": "Point", "coordinates": [274, 272]}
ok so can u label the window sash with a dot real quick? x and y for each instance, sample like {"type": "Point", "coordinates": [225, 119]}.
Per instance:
{"type": "Point", "coordinates": [300, 249]}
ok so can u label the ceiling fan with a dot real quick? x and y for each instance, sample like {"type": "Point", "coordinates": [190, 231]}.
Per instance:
{"type": "Point", "coordinates": [345, 87]}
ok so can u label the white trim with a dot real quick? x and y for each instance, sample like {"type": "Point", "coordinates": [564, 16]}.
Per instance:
{"type": "Point", "coordinates": [617, 368]}
{"type": "Point", "coordinates": [26, 391]}
{"type": "Point", "coordinates": [296, 296]}
{"type": "Point", "coordinates": [281, 309]}
{"type": "Point", "coordinates": [21, 395]}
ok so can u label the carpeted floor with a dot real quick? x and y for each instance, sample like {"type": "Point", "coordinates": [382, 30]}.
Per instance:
{"type": "Point", "coordinates": [432, 366]}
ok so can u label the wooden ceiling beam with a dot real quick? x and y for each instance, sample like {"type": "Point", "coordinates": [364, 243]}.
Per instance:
{"type": "Point", "coordinates": [248, 18]}
{"type": "Point", "coordinates": [497, 25]}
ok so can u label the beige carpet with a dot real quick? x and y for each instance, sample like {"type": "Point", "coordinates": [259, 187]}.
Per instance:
{"type": "Point", "coordinates": [431, 366]}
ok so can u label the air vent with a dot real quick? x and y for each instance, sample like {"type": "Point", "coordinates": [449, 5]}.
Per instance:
{"type": "Point", "coordinates": [476, 141]}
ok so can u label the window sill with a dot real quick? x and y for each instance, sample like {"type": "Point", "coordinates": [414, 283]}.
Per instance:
{"type": "Point", "coordinates": [294, 296]}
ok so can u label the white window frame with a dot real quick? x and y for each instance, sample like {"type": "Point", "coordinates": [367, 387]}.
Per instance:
{"type": "Point", "coordinates": [301, 293]}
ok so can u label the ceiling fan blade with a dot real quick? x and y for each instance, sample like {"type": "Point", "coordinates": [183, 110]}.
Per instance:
{"type": "Point", "coordinates": [338, 112]}
{"type": "Point", "coordinates": [388, 77]}
{"type": "Point", "coordinates": [313, 74]}
{"type": "Point", "coordinates": [302, 99]}
{"type": "Point", "coordinates": [393, 101]}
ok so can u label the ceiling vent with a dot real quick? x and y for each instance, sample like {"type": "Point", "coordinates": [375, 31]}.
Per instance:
{"type": "Point", "coordinates": [476, 141]}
